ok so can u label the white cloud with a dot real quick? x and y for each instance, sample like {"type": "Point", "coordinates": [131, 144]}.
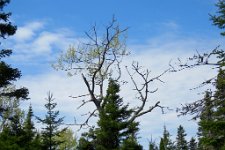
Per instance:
{"type": "Point", "coordinates": [27, 32]}
{"type": "Point", "coordinates": [32, 42]}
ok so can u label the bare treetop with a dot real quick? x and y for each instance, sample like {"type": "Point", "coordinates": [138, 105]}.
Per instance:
{"type": "Point", "coordinates": [99, 59]}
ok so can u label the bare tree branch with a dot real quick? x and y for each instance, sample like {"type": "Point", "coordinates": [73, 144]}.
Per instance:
{"type": "Point", "coordinates": [143, 90]}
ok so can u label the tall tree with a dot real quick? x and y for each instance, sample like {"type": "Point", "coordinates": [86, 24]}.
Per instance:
{"type": "Point", "coordinates": [51, 123]}
{"type": "Point", "coordinates": [212, 123]}
{"type": "Point", "coordinates": [8, 74]}
{"type": "Point", "coordinates": [114, 125]}
{"type": "Point", "coordinates": [181, 143]}
{"type": "Point", "coordinates": [98, 60]}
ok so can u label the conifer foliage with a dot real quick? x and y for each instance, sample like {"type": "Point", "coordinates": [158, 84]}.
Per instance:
{"type": "Point", "coordinates": [181, 143]}
{"type": "Point", "coordinates": [51, 123]}
{"type": "Point", "coordinates": [212, 120]}
{"type": "Point", "coordinates": [113, 122]}
{"type": "Point", "coordinates": [8, 74]}
{"type": "Point", "coordinates": [219, 20]}
{"type": "Point", "coordinates": [165, 142]}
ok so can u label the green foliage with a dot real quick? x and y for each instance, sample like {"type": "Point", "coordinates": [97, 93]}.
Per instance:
{"type": "Point", "coordinates": [12, 135]}
{"type": "Point", "coordinates": [165, 142]}
{"type": "Point", "coordinates": [8, 75]}
{"type": "Point", "coordinates": [130, 144]}
{"type": "Point", "coordinates": [153, 145]}
{"type": "Point", "coordinates": [219, 20]}
{"type": "Point", "coordinates": [85, 144]}
{"type": "Point", "coordinates": [192, 144]}
{"type": "Point", "coordinates": [181, 143]}
{"type": "Point", "coordinates": [212, 123]}
{"type": "Point", "coordinates": [68, 138]}
{"type": "Point", "coordinates": [113, 121]}
{"type": "Point", "coordinates": [30, 137]}
{"type": "Point", "coordinates": [52, 123]}
{"type": "Point", "coordinates": [87, 140]}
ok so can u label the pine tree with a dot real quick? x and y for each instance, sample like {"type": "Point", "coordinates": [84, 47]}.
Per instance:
{"type": "Point", "coordinates": [113, 125]}
{"type": "Point", "coordinates": [52, 123]}
{"type": "Point", "coordinates": [192, 144]}
{"type": "Point", "coordinates": [8, 74]}
{"type": "Point", "coordinates": [181, 143]}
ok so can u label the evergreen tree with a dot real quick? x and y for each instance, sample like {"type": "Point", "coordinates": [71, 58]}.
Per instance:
{"type": "Point", "coordinates": [29, 131]}
{"type": "Point", "coordinates": [8, 74]}
{"type": "Point", "coordinates": [219, 122]}
{"type": "Point", "coordinates": [113, 124]}
{"type": "Point", "coordinates": [219, 20]}
{"type": "Point", "coordinates": [162, 145]}
{"type": "Point", "coordinates": [192, 144]}
{"type": "Point", "coordinates": [212, 123]}
{"type": "Point", "coordinates": [152, 145]}
{"type": "Point", "coordinates": [165, 141]}
{"type": "Point", "coordinates": [181, 143]}
{"type": "Point", "coordinates": [12, 135]}
{"type": "Point", "coordinates": [206, 118]}
{"type": "Point", "coordinates": [131, 143]}
{"type": "Point", "coordinates": [52, 123]}
{"type": "Point", "coordinates": [87, 140]}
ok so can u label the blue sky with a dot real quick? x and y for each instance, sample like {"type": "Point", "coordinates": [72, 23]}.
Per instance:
{"type": "Point", "coordinates": [159, 31]}
{"type": "Point", "coordinates": [145, 18]}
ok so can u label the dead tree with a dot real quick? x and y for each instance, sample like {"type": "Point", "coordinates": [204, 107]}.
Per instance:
{"type": "Point", "coordinates": [214, 59]}
{"type": "Point", "coordinates": [100, 59]}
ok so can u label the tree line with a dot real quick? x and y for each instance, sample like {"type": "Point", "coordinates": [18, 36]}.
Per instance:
{"type": "Point", "coordinates": [98, 62]}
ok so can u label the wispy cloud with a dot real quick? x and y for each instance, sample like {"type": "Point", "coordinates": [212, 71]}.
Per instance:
{"type": "Point", "coordinates": [27, 32]}
{"type": "Point", "coordinates": [33, 42]}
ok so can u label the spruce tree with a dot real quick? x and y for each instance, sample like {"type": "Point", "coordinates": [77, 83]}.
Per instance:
{"type": "Point", "coordinates": [162, 145]}
{"type": "Point", "coordinates": [8, 74]}
{"type": "Point", "coordinates": [152, 145]}
{"type": "Point", "coordinates": [165, 142]}
{"type": "Point", "coordinates": [219, 122]}
{"type": "Point", "coordinates": [181, 143]}
{"type": "Point", "coordinates": [219, 19]}
{"type": "Point", "coordinates": [206, 119]}
{"type": "Point", "coordinates": [87, 140]}
{"type": "Point", "coordinates": [51, 123]}
{"type": "Point", "coordinates": [113, 122]}
{"type": "Point", "coordinates": [29, 131]}
{"type": "Point", "coordinates": [192, 144]}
